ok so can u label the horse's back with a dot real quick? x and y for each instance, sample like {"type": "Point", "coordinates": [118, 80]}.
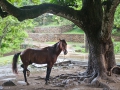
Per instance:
{"type": "Point", "coordinates": [26, 51]}
{"type": "Point", "coordinates": [35, 55]}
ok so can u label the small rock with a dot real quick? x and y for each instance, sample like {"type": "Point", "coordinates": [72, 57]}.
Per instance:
{"type": "Point", "coordinates": [1, 88]}
{"type": "Point", "coordinates": [21, 82]}
{"type": "Point", "coordinates": [8, 83]}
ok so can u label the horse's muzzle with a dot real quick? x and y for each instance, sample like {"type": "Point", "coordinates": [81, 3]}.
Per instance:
{"type": "Point", "coordinates": [65, 52]}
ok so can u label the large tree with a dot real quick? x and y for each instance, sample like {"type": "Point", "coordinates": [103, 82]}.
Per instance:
{"type": "Point", "coordinates": [95, 18]}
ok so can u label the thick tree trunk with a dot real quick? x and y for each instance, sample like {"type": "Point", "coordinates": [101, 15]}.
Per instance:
{"type": "Point", "coordinates": [101, 56]}
{"type": "Point", "coordinates": [98, 26]}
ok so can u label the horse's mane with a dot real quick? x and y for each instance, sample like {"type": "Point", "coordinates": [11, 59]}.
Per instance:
{"type": "Point", "coordinates": [55, 47]}
{"type": "Point", "coordinates": [52, 48]}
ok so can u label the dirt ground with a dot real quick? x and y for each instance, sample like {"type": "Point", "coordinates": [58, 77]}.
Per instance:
{"type": "Point", "coordinates": [58, 81]}
{"type": "Point", "coordinates": [63, 77]}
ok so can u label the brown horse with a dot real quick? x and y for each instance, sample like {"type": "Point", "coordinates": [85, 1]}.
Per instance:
{"type": "Point", "coordinates": [47, 55]}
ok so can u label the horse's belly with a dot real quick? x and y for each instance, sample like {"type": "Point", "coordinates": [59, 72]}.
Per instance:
{"type": "Point", "coordinates": [40, 61]}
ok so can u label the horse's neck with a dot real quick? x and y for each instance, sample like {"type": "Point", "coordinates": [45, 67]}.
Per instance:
{"type": "Point", "coordinates": [57, 49]}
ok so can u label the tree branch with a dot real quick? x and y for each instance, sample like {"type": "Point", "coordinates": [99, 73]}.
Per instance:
{"type": "Point", "coordinates": [30, 12]}
{"type": "Point", "coordinates": [108, 18]}
{"type": "Point", "coordinates": [115, 3]}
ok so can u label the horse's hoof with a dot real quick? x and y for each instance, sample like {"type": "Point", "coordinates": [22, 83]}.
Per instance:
{"type": "Point", "coordinates": [28, 84]}
{"type": "Point", "coordinates": [46, 83]}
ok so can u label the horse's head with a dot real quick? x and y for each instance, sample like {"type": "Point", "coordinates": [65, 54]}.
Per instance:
{"type": "Point", "coordinates": [63, 46]}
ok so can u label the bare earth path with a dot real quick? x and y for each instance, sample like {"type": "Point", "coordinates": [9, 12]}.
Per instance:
{"type": "Point", "coordinates": [60, 78]}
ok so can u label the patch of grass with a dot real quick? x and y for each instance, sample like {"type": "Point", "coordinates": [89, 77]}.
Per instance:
{"type": "Point", "coordinates": [78, 47]}
{"type": "Point", "coordinates": [74, 31]}
{"type": "Point", "coordinates": [6, 60]}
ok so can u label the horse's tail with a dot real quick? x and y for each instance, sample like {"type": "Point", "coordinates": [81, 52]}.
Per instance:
{"type": "Point", "coordinates": [14, 63]}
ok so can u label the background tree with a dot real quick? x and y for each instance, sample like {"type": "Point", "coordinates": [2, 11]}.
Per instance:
{"type": "Point", "coordinates": [95, 18]}
{"type": "Point", "coordinates": [12, 33]}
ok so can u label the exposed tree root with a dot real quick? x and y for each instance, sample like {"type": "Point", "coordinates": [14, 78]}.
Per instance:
{"type": "Point", "coordinates": [115, 69]}
{"type": "Point", "coordinates": [98, 82]}
{"type": "Point", "coordinates": [90, 79]}
{"type": "Point", "coordinates": [101, 80]}
{"type": "Point", "coordinates": [94, 80]}
{"type": "Point", "coordinates": [86, 73]}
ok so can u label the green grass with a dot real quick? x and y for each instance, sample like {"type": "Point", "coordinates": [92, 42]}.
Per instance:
{"type": "Point", "coordinates": [74, 31]}
{"type": "Point", "coordinates": [77, 46]}
{"type": "Point", "coordinates": [6, 60]}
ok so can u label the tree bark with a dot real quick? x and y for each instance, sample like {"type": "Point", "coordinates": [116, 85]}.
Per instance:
{"type": "Point", "coordinates": [101, 56]}
{"type": "Point", "coordinates": [86, 43]}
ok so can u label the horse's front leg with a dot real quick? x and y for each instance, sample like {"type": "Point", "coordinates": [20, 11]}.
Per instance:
{"type": "Point", "coordinates": [47, 74]}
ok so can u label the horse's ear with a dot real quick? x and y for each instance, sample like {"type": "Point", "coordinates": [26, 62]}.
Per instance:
{"type": "Point", "coordinates": [59, 39]}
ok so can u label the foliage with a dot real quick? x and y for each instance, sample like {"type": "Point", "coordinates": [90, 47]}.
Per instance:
{"type": "Point", "coordinates": [117, 19]}
{"type": "Point", "coordinates": [114, 31]}
{"type": "Point", "coordinates": [15, 33]}
{"type": "Point", "coordinates": [24, 2]}
{"type": "Point", "coordinates": [50, 19]}
{"type": "Point", "coordinates": [76, 4]}
{"type": "Point", "coordinates": [117, 47]}
{"type": "Point", "coordinates": [12, 32]}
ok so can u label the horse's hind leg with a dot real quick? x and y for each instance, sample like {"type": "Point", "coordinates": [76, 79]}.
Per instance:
{"type": "Point", "coordinates": [24, 72]}
{"type": "Point", "coordinates": [28, 72]}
